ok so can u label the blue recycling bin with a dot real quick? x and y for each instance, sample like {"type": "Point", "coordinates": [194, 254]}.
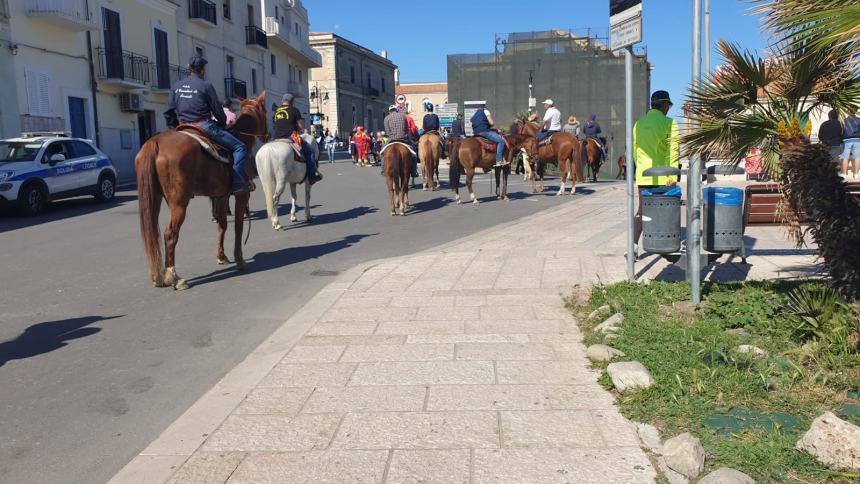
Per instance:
{"type": "Point", "coordinates": [723, 226]}
{"type": "Point", "coordinates": [661, 220]}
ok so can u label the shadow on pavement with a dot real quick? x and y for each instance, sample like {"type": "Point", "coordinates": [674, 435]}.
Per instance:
{"type": "Point", "coordinates": [327, 218]}
{"type": "Point", "coordinates": [11, 219]}
{"type": "Point", "coordinates": [48, 336]}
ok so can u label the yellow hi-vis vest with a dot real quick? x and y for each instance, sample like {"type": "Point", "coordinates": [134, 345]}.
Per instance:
{"type": "Point", "coordinates": [655, 143]}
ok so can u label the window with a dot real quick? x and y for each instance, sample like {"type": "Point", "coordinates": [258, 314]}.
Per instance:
{"type": "Point", "coordinates": [368, 80]}
{"type": "Point", "coordinates": [300, 77]}
{"type": "Point", "coordinates": [226, 5]}
{"type": "Point", "coordinates": [297, 28]}
{"type": "Point", "coordinates": [229, 62]}
{"type": "Point", "coordinates": [254, 81]}
{"type": "Point", "coordinates": [352, 74]}
{"type": "Point", "coordinates": [199, 50]}
{"type": "Point", "coordinates": [274, 72]}
{"type": "Point", "coordinates": [56, 148]}
{"type": "Point", "coordinates": [276, 11]}
{"type": "Point", "coordinates": [38, 92]}
{"type": "Point", "coordinates": [81, 149]}
{"type": "Point", "coordinates": [382, 83]}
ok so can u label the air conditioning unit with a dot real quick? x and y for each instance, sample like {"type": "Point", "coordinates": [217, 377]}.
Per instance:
{"type": "Point", "coordinates": [130, 102]}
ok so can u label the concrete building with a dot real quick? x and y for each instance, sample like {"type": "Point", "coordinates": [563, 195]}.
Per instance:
{"type": "Point", "coordinates": [418, 94]}
{"type": "Point", "coordinates": [353, 87]}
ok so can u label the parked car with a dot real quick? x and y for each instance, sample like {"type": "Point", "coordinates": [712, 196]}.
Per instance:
{"type": "Point", "coordinates": [38, 168]}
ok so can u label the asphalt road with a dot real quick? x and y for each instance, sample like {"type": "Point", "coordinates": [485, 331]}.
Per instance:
{"type": "Point", "coordinates": [95, 363]}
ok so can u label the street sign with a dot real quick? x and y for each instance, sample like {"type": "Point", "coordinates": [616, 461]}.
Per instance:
{"type": "Point", "coordinates": [625, 22]}
{"type": "Point", "coordinates": [447, 114]}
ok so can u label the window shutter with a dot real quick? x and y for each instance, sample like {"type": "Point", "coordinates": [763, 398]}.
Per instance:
{"type": "Point", "coordinates": [38, 92]}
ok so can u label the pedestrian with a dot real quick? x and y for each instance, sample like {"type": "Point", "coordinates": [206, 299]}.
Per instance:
{"type": "Point", "coordinates": [551, 121]}
{"type": "Point", "coordinates": [363, 145]}
{"type": "Point", "coordinates": [655, 143]}
{"type": "Point", "coordinates": [330, 142]}
{"type": "Point", "coordinates": [830, 134]}
{"type": "Point", "coordinates": [572, 126]}
{"type": "Point", "coordinates": [457, 129]}
{"type": "Point", "coordinates": [851, 143]}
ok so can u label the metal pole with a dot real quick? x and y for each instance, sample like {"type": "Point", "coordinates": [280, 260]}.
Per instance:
{"type": "Point", "coordinates": [694, 179]}
{"type": "Point", "coordinates": [628, 139]}
{"type": "Point", "coordinates": [707, 41]}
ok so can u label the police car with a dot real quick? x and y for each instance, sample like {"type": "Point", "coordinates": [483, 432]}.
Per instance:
{"type": "Point", "coordinates": [40, 167]}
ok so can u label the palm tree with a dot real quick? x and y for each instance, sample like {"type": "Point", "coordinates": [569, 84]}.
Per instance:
{"type": "Point", "coordinates": [753, 103]}
{"type": "Point", "coordinates": [823, 23]}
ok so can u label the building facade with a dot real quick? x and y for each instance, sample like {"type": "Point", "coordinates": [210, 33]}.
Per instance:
{"type": "Point", "coordinates": [353, 87]}
{"type": "Point", "coordinates": [419, 94]}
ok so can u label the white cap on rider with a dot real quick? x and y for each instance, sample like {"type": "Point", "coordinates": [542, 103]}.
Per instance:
{"type": "Point", "coordinates": [548, 101]}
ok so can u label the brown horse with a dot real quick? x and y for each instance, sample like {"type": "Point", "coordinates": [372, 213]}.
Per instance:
{"type": "Point", "coordinates": [173, 166]}
{"type": "Point", "coordinates": [622, 168]}
{"type": "Point", "coordinates": [593, 156]}
{"type": "Point", "coordinates": [396, 167]}
{"type": "Point", "coordinates": [429, 152]}
{"type": "Point", "coordinates": [564, 149]}
{"type": "Point", "coordinates": [468, 154]}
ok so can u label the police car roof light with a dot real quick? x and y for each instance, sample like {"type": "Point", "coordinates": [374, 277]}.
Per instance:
{"type": "Point", "coordinates": [39, 134]}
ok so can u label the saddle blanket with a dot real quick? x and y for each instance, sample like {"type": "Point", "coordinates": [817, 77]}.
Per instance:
{"type": "Point", "coordinates": [399, 143]}
{"type": "Point", "coordinates": [297, 148]}
{"type": "Point", "coordinates": [546, 141]}
{"type": "Point", "coordinates": [205, 143]}
{"type": "Point", "coordinates": [488, 145]}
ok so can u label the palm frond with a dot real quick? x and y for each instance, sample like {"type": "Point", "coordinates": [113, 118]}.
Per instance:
{"type": "Point", "coordinates": [819, 24]}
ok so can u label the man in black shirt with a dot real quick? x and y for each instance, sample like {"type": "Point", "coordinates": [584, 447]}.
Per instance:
{"type": "Point", "coordinates": [193, 100]}
{"type": "Point", "coordinates": [457, 129]}
{"type": "Point", "coordinates": [288, 120]}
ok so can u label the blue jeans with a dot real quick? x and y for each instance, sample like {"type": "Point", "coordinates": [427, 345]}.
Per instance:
{"type": "Point", "coordinates": [500, 143]}
{"type": "Point", "coordinates": [227, 140]}
{"type": "Point", "coordinates": [311, 161]}
{"type": "Point", "coordinates": [330, 150]}
{"type": "Point", "coordinates": [545, 134]}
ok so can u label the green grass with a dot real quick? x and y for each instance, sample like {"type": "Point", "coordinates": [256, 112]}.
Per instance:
{"type": "Point", "coordinates": [700, 378]}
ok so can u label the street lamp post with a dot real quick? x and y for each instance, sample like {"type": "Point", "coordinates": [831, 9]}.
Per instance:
{"type": "Point", "coordinates": [321, 98]}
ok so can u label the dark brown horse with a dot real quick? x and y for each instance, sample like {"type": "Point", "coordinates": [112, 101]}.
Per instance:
{"type": "Point", "coordinates": [173, 166]}
{"type": "Point", "coordinates": [622, 168]}
{"type": "Point", "coordinates": [564, 149]}
{"type": "Point", "coordinates": [397, 167]}
{"type": "Point", "coordinates": [468, 154]}
{"type": "Point", "coordinates": [593, 156]}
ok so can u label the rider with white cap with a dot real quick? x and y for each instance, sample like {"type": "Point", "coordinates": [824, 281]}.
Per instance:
{"type": "Point", "coordinates": [551, 121]}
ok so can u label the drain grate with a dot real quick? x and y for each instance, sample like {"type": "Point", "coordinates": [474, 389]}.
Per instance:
{"type": "Point", "coordinates": [324, 273]}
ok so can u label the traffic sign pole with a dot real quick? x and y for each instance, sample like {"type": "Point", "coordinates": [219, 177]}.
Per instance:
{"type": "Point", "coordinates": [628, 139]}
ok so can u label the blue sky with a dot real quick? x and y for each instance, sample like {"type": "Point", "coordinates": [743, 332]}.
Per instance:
{"type": "Point", "coordinates": [419, 34]}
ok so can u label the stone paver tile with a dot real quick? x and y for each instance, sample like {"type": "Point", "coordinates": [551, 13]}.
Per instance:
{"type": "Point", "coordinates": [578, 397]}
{"type": "Point", "coordinates": [352, 466]}
{"type": "Point", "coordinates": [470, 301]}
{"type": "Point", "coordinates": [275, 400]}
{"type": "Point", "coordinates": [411, 430]}
{"type": "Point", "coordinates": [273, 432]}
{"type": "Point", "coordinates": [543, 372]}
{"type": "Point", "coordinates": [308, 375]}
{"type": "Point", "coordinates": [314, 354]}
{"type": "Point", "coordinates": [366, 399]}
{"type": "Point", "coordinates": [569, 350]}
{"type": "Point", "coordinates": [559, 428]}
{"type": "Point", "coordinates": [421, 327]}
{"type": "Point", "coordinates": [422, 301]}
{"type": "Point", "coordinates": [487, 397]}
{"type": "Point", "coordinates": [423, 373]}
{"type": "Point", "coordinates": [615, 429]}
{"type": "Point", "coordinates": [429, 466]}
{"type": "Point", "coordinates": [570, 335]}
{"type": "Point", "coordinates": [411, 352]}
{"type": "Point", "coordinates": [370, 339]}
{"type": "Point", "coordinates": [467, 338]}
{"type": "Point", "coordinates": [207, 467]}
{"type": "Point", "coordinates": [437, 284]}
{"type": "Point", "coordinates": [552, 312]}
{"type": "Point", "coordinates": [504, 351]}
{"type": "Point", "coordinates": [518, 300]}
{"type": "Point", "coordinates": [514, 282]}
{"type": "Point", "coordinates": [506, 312]}
{"type": "Point", "coordinates": [363, 301]}
{"type": "Point", "coordinates": [479, 280]}
{"type": "Point", "coordinates": [369, 314]}
{"type": "Point", "coordinates": [621, 465]}
{"type": "Point", "coordinates": [343, 328]}
{"type": "Point", "coordinates": [447, 313]}
{"type": "Point", "coordinates": [518, 326]}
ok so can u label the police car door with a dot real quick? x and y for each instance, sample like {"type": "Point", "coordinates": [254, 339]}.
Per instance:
{"type": "Point", "coordinates": [85, 162]}
{"type": "Point", "coordinates": [61, 171]}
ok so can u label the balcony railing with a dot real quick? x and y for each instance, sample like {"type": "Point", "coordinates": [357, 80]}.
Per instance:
{"type": "Point", "coordinates": [235, 88]}
{"type": "Point", "coordinates": [164, 76]}
{"type": "Point", "coordinates": [273, 27]}
{"type": "Point", "coordinates": [123, 67]}
{"type": "Point", "coordinates": [256, 37]}
{"type": "Point", "coordinates": [372, 92]}
{"type": "Point", "coordinates": [69, 14]}
{"type": "Point", "coordinates": [203, 10]}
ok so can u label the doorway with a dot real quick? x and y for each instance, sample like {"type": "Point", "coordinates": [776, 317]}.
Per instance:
{"type": "Point", "coordinates": [145, 125]}
{"type": "Point", "coordinates": [78, 117]}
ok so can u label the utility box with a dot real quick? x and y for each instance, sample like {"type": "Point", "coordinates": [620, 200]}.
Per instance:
{"type": "Point", "coordinates": [723, 224]}
{"type": "Point", "coordinates": [661, 220]}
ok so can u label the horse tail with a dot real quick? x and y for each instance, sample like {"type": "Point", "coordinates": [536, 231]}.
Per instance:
{"type": "Point", "coordinates": [395, 163]}
{"type": "Point", "coordinates": [149, 199]}
{"type": "Point", "coordinates": [454, 170]}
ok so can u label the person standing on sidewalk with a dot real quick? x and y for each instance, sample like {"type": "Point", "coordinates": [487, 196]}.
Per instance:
{"type": "Point", "coordinates": [330, 142]}
{"type": "Point", "coordinates": [655, 143]}
{"type": "Point", "coordinates": [830, 134]}
{"type": "Point", "coordinates": [851, 143]}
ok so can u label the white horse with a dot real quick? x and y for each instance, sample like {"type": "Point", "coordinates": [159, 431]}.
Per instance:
{"type": "Point", "coordinates": [277, 166]}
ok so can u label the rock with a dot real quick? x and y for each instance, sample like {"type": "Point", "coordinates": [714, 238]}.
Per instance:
{"type": "Point", "coordinates": [670, 475]}
{"type": "Point", "coordinates": [738, 332]}
{"type": "Point", "coordinates": [610, 324]}
{"type": "Point", "coordinates": [610, 336]}
{"type": "Point", "coordinates": [750, 349]}
{"type": "Point", "coordinates": [684, 454]}
{"type": "Point", "coordinates": [649, 435]}
{"type": "Point", "coordinates": [833, 441]}
{"type": "Point", "coordinates": [725, 475]}
{"type": "Point", "coordinates": [602, 353]}
{"type": "Point", "coordinates": [597, 312]}
{"type": "Point", "coordinates": [629, 375]}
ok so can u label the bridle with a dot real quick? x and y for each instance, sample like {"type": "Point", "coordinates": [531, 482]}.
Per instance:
{"type": "Point", "coordinates": [259, 116]}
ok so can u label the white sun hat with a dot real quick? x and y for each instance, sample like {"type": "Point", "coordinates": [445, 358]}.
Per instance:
{"type": "Point", "coordinates": [548, 101]}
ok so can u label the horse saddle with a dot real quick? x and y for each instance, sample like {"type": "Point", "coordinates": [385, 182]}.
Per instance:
{"type": "Point", "coordinates": [216, 151]}
{"type": "Point", "coordinates": [297, 148]}
{"type": "Point", "coordinates": [489, 146]}
{"type": "Point", "coordinates": [399, 143]}
{"type": "Point", "coordinates": [546, 141]}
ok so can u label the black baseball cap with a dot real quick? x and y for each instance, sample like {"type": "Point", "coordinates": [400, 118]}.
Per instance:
{"type": "Point", "coordinates": [659, 97]}
{"type": "Point", "coordinates": [197, 62]}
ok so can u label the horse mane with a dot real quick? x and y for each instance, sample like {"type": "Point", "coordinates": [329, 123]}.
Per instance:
{"type": "Point", "coordinates": [251, 116]}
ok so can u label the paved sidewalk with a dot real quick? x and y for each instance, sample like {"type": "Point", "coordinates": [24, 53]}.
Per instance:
{"type": "Point", "coordinates": [456, 365]}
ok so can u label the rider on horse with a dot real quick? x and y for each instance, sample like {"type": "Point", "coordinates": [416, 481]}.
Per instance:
{"type": "Point", "coordinates": [592, 131]}
{"type": "Point", "coordinates": [482, 124]}
{"type": "Point", "coordinates": [288, 125]}
{"type": "Point", "coordinates": [193, 100]}
{"type": "Point", "coordinates": [551, 121]}
{"type": "Point", "coordinates": [431, 123]}
{"type": "Point", "coordinates": [398, 128]}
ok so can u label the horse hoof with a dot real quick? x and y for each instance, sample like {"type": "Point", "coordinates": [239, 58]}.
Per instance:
{"type": "Point", "coordinates": [294, 219]}
{"type": "Point", "coordinates": [498, 197]}
{"type": "Point", "coordinates": [222, 261]}
{"type": "Point", "coordinates": [309, 219]}
{"type": "Point", "coordinates": [393, 213]}
{"type": "Point", "coordinates": [180, 285]}
{"type": "Point", "coordinates": [506, 199]}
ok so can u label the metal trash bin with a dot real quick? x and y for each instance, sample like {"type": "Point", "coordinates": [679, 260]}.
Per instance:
{"type": "Point", "coordinates": [723, 226]}
{"type": "Point", "coordinates": [661, 220]}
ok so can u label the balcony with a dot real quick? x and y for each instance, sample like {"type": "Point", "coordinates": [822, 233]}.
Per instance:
{"type": "Point", "coordinates": [256, 38]}
{"type": "Point", "coordinates": [123, 68]}
{"type": "Point", "coordinates": [372, 93]}
{"type": "Point", "coordinates": [292, 44]}
{"type": "Point", "coordinates": [68, 14]}
{"type": "Point", "coordinates": [164, 76]}
{"type": "Point", "coordinates": [234, 88]}
{"type": "Point", "coordinates": [203, 12]}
